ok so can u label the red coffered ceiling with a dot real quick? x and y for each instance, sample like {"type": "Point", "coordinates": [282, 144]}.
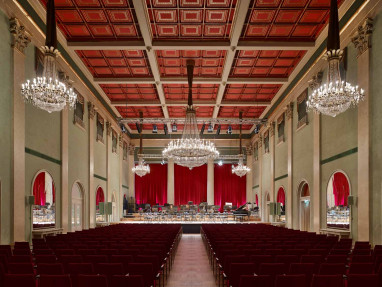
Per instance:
{"type": "Point", "coordinates": [101, 19]}
{"type": "Point", "coordinates": [207, 63]}
{"type": "Point", "coordinates": [160, 127]}
{"type": "Point", "coordinates": [177, 92]}
{"type": "Point", "coordinates": [250, 92]}
{"type": "Point", "coordinates": [248, 111]}
{"type": "Point", "coordinates": [180, 112]}
{"type": "Point", "coordinates": [133, 112]}
{"type": "Point", "coordinates": [191, 19]}
{"type": "Point", "coordinates": [266, 63]}
{"type": "Point", "coordinates": [116, 63]}
{"type": "Point", "coordinates": [235, 128]}
{"type": "Point", "coordinates": [286, 19]}
{"type": "Point", "coordinates": [131, 92]}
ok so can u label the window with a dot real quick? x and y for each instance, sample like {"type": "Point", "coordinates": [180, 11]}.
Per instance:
{"type": "Point", "coordinates": [114, 141]}
{"type": "Point", "coordinates": [301, 109]}
{"type": "Point", "coordinates": [79, 111]}
{"type": "Point", "coordinates": [280, 128]}
{"type": "Point", "coordinates": [266, 142]}
{"type": "Point", "coordinates": [256, 152]}
{"type": "Point", "coordinates": [124, 150]}
{"type": "Point", "coordinates": [100, 128]}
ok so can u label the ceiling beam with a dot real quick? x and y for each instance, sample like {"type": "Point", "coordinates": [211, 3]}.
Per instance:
{"type": "Point", "coordinates": [189, 45]}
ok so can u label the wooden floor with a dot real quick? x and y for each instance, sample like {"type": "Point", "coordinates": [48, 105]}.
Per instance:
{"type": "Point", "coordinates": [191, 267]}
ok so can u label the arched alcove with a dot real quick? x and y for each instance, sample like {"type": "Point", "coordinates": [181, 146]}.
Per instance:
{"type": "Point", "coordinates": [304, 205]}
{"type": "Point", "coordinates": [280, 199]}
{"type": "Point", "coordinates": [77, 207]}
{"type": "Point", "coordinates": [100, 206]}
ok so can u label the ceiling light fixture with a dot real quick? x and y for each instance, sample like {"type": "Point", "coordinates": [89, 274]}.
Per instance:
{"type": "Point", "coordinates": [241, 169]}
{"type": "Point", "coordinates": [48, 92]}
{"type": "Point", "coordinates": [336, 96]}
{"type": "Point", "coordinates": [141, 169]}
{"type": "Point", "coordinates": [190, 150]}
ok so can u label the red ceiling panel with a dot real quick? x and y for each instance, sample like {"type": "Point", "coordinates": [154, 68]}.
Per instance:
{"type": "Point", "coordinates": [207, 63]}
{"type": "Point", "coordinates": [116, 63]}
{"type": "Point", "coordinates": [180, 111]}
{"type": "Point", "coordinates": [133, 112]}
{"type": "Point", "coordinates": [178, 92]}
{"type": "Point", "coordinates": [265, 63]}
{"type": "Point", "coordinates": [191, 19]}
{"type": "Point", "coordinates": [252, 92]}
{"type": "Point", "coordinates": [130, 92]}
{"type": "Point", "coordinates": [248, 111]}
{"type": "Point", "coordinates": [288, 19]}
{"type": "Point", "coordinates": [101, 19]}
{"type": "Point", "coordinates": [235, 128]}
{"type": "Point", "coordinates": [148, 127]}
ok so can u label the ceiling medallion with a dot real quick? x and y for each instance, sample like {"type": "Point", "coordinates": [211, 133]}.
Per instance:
{"type": "Point", "coordinates": [336, 96]}
{"type": "Point", "coordinates": [141, 169]}
{"type": "Point", "coordinates": [190, 151]}
{"type": "Point", "coordinates": [48, 92]}
{"type": "Point", "coordinates": [241, 169]}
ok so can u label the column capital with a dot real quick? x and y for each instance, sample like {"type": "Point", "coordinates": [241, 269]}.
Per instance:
{"type": "Point", "coordinates": [272, 129]}
{"type": "Point", "coordinates": [20, 37]}
{"type": "Point", "coordinates": [289, 111]}
{"type": "Point", "coordinates": [108, 128]}
{"type": "Point", "coordinates": [260, 141]}
{"type": "Point", "coordinates": [91, 110]}
{"type": "Point", "coordinates": [362, 38]}
{"type": "Point", "coordinates": [316, 81]}
{"type": "Point", "coordinates": [249, 149]}
{"type": "Point", "coordinates": [120, 140]}
{"type": "Point", "coordinates": [131, 149]}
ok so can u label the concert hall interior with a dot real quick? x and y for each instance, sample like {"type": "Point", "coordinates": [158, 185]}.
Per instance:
{"type": "Point", "coordinates": [170, 143]}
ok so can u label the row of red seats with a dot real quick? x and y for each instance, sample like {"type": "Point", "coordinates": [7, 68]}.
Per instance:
{"type": "Point", "coordinates": [258, 249]}
{"type": "Point", "coordinates": [134, 250]}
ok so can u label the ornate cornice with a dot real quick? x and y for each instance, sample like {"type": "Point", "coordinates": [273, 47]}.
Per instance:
{"type": "Point", "coordinates": [362, 39]}
{"type": "Point", "coordinates": [272, 129]}
{"type": "Point", "coordinates": [91, 110]}
{"type": "Point", "coordinates": [316, 81]}
{"type": "Point", "coordinates": [20, 37]}
{"type": "Point", "coordinates": [108, 128]}
{"type": "Point", "coordinates": [289, 111]}
{"type": "Point", "coordinates": [120, 140]}
{"type": "Point", "coordinates": [249, 149]}
{"type": "Point", "coordinates": [260, 141]}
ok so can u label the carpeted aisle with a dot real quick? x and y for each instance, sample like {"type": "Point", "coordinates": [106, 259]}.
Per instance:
{"type": "Point", "coordinates": [191, 267]}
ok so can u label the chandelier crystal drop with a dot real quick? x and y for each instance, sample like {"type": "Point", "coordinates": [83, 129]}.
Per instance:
{"type": "Point", "coordinates": [190, 151]}
{"type": "Point", "coordinates": [336, 96]}
{"type": "Point", "coordinates": [48, 92]}
{"type": "Point", "coordinates": [241, 169]}
{"type": "Point", "coordinates": [141, 169]}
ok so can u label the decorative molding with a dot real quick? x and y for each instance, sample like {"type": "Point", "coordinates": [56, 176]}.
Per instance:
{"type": "Point", "coordinates": [281, 177]}
{"type": "Point", "coordinates": [340, 155]}
{"type": "Point", "coordinates": [249, 149]}
{"type": "Point", "coordinates": [256, 186]}
{"type": "Point", "coordinates": [100, 177]}
{"type": "Point", "coordinates": [272, 129]}
{"type": "Point", "coordinates": [362, 39]}
{"type": "Point", "coordinates": [289, 111]}
{"type": "Point", "coordinates": [108, 128]}
{"type": "Point", "coordinates": [125, 186]}
{"type": "Point", "coordinates": [120, 140]}
{"type": "Point", "coordinates": [91, 110]}
{"type": "Point", "coordinates": [20, 37]}
{"type": "Point", "coordinates": [41, 155]}
{"type": "Point", "coordinates": [316, 81]}
{"type": "Point", "coordinates": [260, 141]}
{"type": "Point", "coordinates": [131, 149]}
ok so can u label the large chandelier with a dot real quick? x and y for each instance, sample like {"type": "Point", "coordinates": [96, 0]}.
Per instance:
{"type": "Point", "coordinates": [48, 92]}
{"type": "Point", "coordinates": [141, 169]}
{"type": "Point", "coordinates": [336, 96]}
{"type": "Point", "coordinates": [241, 169]}
{"type": "Point", "coordinates": [190, 151]}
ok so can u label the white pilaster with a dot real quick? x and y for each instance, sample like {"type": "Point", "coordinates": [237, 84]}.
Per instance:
{"type": "Point", "coordinates": [210, 182]}
{"type": "Point", "coordinates": [249, 177]}
{"type": "Point", "coordinates": [170, 182]}
{"type": "Point", "coordinates": [131, 177]}
{"type": "Point", "coordinates": [64, 170]}
{"type": "Point", "coordinates": [92, 191]}
{"type": "Point", "coordinates": [289, 195]}
{"type": "Point", "coordinates": [272, 171]}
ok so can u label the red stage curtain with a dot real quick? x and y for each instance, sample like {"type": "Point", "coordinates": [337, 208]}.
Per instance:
{"type": "Point", "coordinates": [281, 196]}
{"type": "Point", "coordinates": [257, 200]}
{"type": "Point", "coordinates": [190, 185]}
{"type": "Point", "coordinates": [228, 187]}
{"type": "Point", "coordinates": [100, 197]}
{"type": "Point", "coordinates": [152, 188]}
{"type": "Point", "coordinates": [340, 189]}
{"type": "Point", "coordinates": [39, 189]}
{"type": "Point", "coordinates": [54, 192]}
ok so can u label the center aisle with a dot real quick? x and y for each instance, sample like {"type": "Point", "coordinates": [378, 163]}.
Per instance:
{"type": "Point", "coordinates": [191, 267]}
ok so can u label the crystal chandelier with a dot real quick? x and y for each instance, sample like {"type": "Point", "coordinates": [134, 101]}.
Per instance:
{"type": "Point", "coordinates": [336, 96]}
{"type": "Point", "coordinates": [48, 92]}
{"type": "Point", "coordinates": [241, 169]}
{"type": "Point", "coordinates": [190, 151]}
{"type": "Point", "coordinates": [141, 169]}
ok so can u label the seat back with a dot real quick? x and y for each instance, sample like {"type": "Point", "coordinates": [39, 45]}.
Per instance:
{"type": "Point", "coordinates": [143, 269]}
{"type": "Point", "coordinates": [361, 268]}
{"type": "Point", "coordinates": [50, 269]}
{"type": "Point", "coordinates": [124, 259]}
{"type": "Point", "coordinates": [238, 269]}
{"type": "Point", "coordinates": [20, 268]}
{"type": "Point", "coordinates": [255, 281]}
{"type": "Point", "coordinates": [290, 281]}
{"type": "Point", "coordinates": [127, 281]}
{"type": "Point", "coordinates": [332, 269]}
{"type": "Point", "coordinates": [55, 281]}
{"type": "Point", "coordinates": [327, 281]}
{"type": "Point", "coordinates": [45, 259]}
{"type": "Point", "coordinates": [16, 280]}
{"type": "Point", "coordinates": [369, 280]}
{"type": "Point", "coordinates": [92, 280]}
{"type": "Point", "coordinates": [272, 269]}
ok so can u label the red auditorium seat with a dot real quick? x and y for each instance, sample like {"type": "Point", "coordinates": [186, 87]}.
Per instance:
{"type": "Point", "coordinates": [255, 281]}
{"type": "Point", "coordinates": [308, 269]}
{"type": "Point", "coordinates": [92, 281]}
{"type": "Point", "coordinates": [361, 268]}
{"type": "Point", "coordinates": [127, 281]}
{"type": "Point", "coordinates": [20, 268]}
{"type": "Point", "coordinates": [143, 269]}
{"type": "Point", "coordinates": [21, 245]}
{"type": "Point", "coordinates": [50, 269]}
{"type": "Point", "coordinates": [238, 269]}
{"type": "Point", "coordinates": [20, 259]}
{"type": "Point", "coordinates": [258, 259]}
{"type": "Point", "coordinates": [362, 251]}
{"type": "Point", "coordinates": [6, 250]}
{"type": "Point", "coordinates": [110, 269]}
{"type": "Point", "coordinates": [55, 281]}
{"type": "Point", "coordinates": [45, 259]}
{"type": "Point", "coordinates": [327, 281]}
{"type": "Point", "coordinates": [367, 280]}
{"type": "Point", "coordinates": [43, 251]}
{"type": "Point", "coordinates": [336, 259]}
{"type": "Point", "coordinates": [290, 281]}
{"type": "Point", "coordinates": [332, 269]}
{"type": "Point", "coordinates": [124, 259]}
{"type": "Point", "coordinates": [94, 259]}
{"type": "Point", "coordinates": [362, 259]}
{"type": "Point", "coordinates": [287, 260]}
{"type": "Point", "coordinates": [272, 269]}
{"type": "Point", "coordinates": [86, 252]}
{"type": "Point", "coordinates": [60, 252]}
{"type": "Point", "coordinates": [19, 280]}
{"type": "Point", "coordinates": [75, 269]}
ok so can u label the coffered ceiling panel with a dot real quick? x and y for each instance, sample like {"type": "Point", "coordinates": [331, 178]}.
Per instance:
{"type": "Point", "coordinates": [133, 112]}
{"type": "Point", "coordinates": [179, 92]}
{"type": "Point", "coordinates": [251, 92]}
{"type": "Point", "coordinates": [131, 92]}
{"type": "Point", "coordinates": [180, 112]}
{"type": "Point", "coordinates": [248, 111]}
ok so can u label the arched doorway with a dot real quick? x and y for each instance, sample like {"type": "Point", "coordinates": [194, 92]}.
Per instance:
{"type": "Point", "coordinates": [44, 208]}
{"type": "Point", "coordinates": [100, 206]}
{"type": "Point", "coordinates": [77, 207]}
{"type": "Point", "coordinates": [115, 208]}
{"type": "Point", "coordinates": [337, 207]}
{"type": "Point", "coordinates": [267, 202]}
{"type": "Point", "coordinates": [281, 203]}
{"type": "Point", "coordinates": [304, 193]}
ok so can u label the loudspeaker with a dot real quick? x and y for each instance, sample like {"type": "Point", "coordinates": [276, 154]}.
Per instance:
{"type": "Point", "coordinates": [352, 200]}
{"type": "Point", "coordinates": [29, 199]}
{"type": "Point", "coordinates": [101, 206]}
{"type": "Point", "coordinates": [272, 208]}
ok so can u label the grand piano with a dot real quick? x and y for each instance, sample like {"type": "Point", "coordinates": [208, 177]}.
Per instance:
{"type": "Point", "coordinates": [241, 212]}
